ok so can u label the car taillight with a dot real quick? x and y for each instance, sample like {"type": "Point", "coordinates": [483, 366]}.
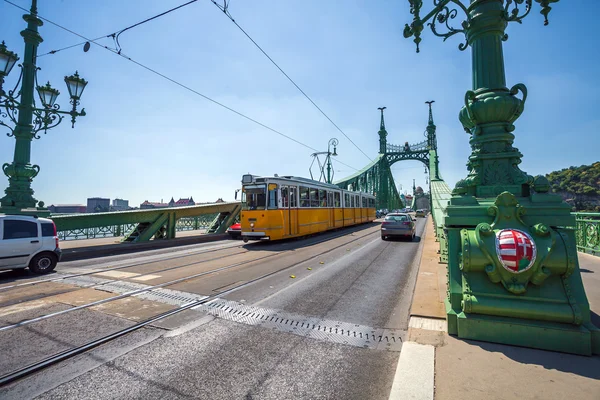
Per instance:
{"type": "Point", "coordinates": [406, 223]}
{"type": "Point", "coordinates": [55, 235]}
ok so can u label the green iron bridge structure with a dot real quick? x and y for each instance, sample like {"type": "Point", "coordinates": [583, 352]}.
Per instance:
{"type": "Point", "coordinates": [509, 243]}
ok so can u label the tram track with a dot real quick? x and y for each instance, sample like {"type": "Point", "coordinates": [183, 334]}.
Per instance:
{"type": "Point", "coordinates": [32, 368]}
{"type": "Point", "coordinates": [58, 279]}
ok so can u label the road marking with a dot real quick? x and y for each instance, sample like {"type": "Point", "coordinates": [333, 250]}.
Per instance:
{"type": "Point", "coordinates": [430, 324]}
{"type": "Point", "coordinates": [118, 274]}
{"type": "Point", "coordinates": [146, 277]}
{"type": "Point", "coordinates": [415, 373]}
{"type": "Point", "coordinates": [30, 305]}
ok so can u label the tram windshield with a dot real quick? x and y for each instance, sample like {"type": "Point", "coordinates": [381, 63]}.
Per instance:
{"type": "Point", "coordinates": [254, 197]}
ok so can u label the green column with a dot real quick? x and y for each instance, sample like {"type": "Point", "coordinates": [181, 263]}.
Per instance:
{"type": "Point", "coordinates": [20, 172]}
{"type": "Point", "coordinates": [513, 273]}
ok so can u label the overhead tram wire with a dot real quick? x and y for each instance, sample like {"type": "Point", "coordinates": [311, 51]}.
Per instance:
{"type": "Point", "coordinates": [116, 35]}
{"type": "Point", "coordinates": [176, 82]}
{"type": "Point", "coordinates": [224, 8]}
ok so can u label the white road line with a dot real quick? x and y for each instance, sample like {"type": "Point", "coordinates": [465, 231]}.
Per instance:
{"type": "Point", "coordinates": [414, 377]}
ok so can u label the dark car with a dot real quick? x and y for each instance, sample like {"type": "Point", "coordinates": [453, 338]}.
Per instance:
{"type": "Point", "coordinates": [235, 231]}
{"type": "Point", "coordinates": [398, 225]}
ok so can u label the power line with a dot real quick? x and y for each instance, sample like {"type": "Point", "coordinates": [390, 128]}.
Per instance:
{"type": "Point", "coordinates": [225, 10]}
{"type": "Point", "coordinates": [115, 35]}
{"type": "Point", "coordinates": [175, 82]}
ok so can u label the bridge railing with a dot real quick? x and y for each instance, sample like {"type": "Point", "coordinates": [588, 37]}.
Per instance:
{"type": "Point", "coordinates": [587, 232]}
{"type": "Point", "coordinates": [183, 224]}
{"type": "Point", "coordinates": [144, 225]}
{"type": "Point", "coordinates": [440, 194]}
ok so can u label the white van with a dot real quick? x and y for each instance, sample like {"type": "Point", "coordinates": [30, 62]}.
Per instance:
{"type": "Point", "coordinates": [27, 241]}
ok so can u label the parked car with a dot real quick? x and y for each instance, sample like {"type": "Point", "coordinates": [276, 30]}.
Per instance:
{"type": "Point", "coordinates": [28, 242]}
{"type": "Point", "coordinates": [235, 231]}
{"type": "Point", "coordinates": [421, 213]}
{"type": "Point", "coordinates": [398, 225]}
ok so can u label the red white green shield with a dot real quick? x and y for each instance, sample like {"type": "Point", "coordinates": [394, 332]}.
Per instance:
{"type": "Point", "coordinates": [515, 249]}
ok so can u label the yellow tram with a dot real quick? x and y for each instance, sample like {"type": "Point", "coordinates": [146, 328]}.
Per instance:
{"type": "Point", "coordinates": [275, 208]}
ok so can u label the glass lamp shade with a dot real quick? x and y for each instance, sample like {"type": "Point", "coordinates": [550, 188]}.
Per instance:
{"type": "Point", "coordinates": [7, 60]}
{"type": "Point", "coordinates": [48, 95]}
{"type": "Point", "coordinates": [75, 84]}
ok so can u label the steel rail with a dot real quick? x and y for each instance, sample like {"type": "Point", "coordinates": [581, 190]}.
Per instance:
{"type": "Point", "coordinates": [32, 368]}
{"type": "Point", "coordinates": [56, 279]}
{"type": "Point", "coordinates": [148, 289]}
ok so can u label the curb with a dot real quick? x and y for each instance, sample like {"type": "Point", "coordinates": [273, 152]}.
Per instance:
{"type": "Point", "coordinates": [414, 378]}
{"type": "Point", "coordinates": [82, 253]}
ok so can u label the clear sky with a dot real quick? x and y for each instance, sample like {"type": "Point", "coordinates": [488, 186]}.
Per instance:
{"type": "Point", "coordinates": [145, 138]}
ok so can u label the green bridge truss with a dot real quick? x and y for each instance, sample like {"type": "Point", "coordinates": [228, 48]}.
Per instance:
{"type": "Point", "coordinates": [145, 225]}
{"type": "Point", "coordinates": [376, 178]}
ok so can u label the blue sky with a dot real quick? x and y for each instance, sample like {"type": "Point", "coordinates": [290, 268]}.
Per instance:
{"type": "Point", "coordinates": [144, 138]}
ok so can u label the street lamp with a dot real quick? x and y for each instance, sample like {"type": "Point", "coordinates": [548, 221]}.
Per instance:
{"type": "Point", "coordinates": [490, 107]}
{"type": "Point", "coordinates": [332, 142]}
{"type": "Point", "coordinates": [26, 119]}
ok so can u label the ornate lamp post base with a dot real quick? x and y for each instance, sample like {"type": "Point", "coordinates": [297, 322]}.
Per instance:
{"type": "Point", "coordinates": [513, 273]}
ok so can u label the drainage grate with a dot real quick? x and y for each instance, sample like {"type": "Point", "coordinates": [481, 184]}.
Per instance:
{"type": "Point", "coordinates": [316, 328]}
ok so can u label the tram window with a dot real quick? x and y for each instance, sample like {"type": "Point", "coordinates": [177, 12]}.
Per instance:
{"type": "Point", "coordinates": [285, 201]}
{"type": "Point", "coordinates": [329, 199]}
{"type": "Point", "coordinates": [357, 201]}
{"type": "Point", "coordinates": [364, 202]}
{"type": "Point", "coordinates": [322, 198]}
{"type": "Point", "coordinates": [336, 200]}
{"type": "Point", "coordinates": [346, 200]}
{"type": "Point", "coordinates": [254, 197]}
{"type": "Point", "coordinates": [304, 196]}
{"type": "Point", "coordinates": [293, 194]}
{"type": "Point", "coordinates": [272, 196]}
{"type": "Point", "coordinates": [314, 197]}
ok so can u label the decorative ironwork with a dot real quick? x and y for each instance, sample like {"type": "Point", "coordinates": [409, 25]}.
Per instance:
{"type": "Point", "coordinates": [514, 14]}
{"type": "Point", "coordinates": [202, 222]}
{"type": "Point", "coordinates": [26, 119]}
{"type": "Point", "coordinates": [443, 16]}
{"type": "Point", "coordinates": [587, 232]}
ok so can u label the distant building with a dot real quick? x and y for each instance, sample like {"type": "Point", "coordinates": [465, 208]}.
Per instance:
{"type": "Point", "coordinates": [146, 205]}
{"type": "Point", "coordinates": [120, 205]}
{"type": "Point", "coordinates": [220, 200]}
{"type": "Point", "coordinates": [182, 202]}
{"type": "Point", "coordinates": [67, 208]}
{"type": "Point", "coordinates": [97, 204]}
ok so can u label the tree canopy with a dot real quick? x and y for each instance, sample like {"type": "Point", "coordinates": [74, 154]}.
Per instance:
{"type": "Point", "coordinates": [582, 182]}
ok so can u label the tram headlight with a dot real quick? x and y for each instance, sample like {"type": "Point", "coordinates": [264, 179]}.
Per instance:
{"type": "Point", "coordinates": [251, 224]}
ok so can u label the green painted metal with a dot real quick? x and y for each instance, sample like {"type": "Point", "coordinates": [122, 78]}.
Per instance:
{"type": "Point", "coordinates": [531, 295]}
{"type": "Point", "coordinates": [19, 106]}
{"type": "Point", "coordinates": [587, 232]}
{"type": "Point", "coordinates": [376, 178]}
{"type": "Point", "coordinates": [144, 225]}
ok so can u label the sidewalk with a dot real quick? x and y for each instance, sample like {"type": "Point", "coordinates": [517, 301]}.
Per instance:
{"type": "Point", "coordinates": [466, 369]}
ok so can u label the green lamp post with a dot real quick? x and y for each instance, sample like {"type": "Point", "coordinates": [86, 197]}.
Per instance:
{"type": "Point", "coordinates": [513, 273]}
{"type": "Point", "coordinates": [27, 120]}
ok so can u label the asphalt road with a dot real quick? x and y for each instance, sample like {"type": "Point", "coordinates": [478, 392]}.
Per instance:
{"type": "Point", "coordinates": [341, 279]}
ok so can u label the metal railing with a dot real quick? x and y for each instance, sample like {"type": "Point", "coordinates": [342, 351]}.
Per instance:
{"type": "Point", "coordinates": [587, 232]}
{"type": "Point", "coordinates": [183, 224]}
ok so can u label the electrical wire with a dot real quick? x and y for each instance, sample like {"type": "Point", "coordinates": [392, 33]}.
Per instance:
{"type": "Point", "coordinates": [115, 35]}
{"type": "Point", "coordinates": [175, 82]}
{"type": "Point", "coordinates": [225, 10]}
